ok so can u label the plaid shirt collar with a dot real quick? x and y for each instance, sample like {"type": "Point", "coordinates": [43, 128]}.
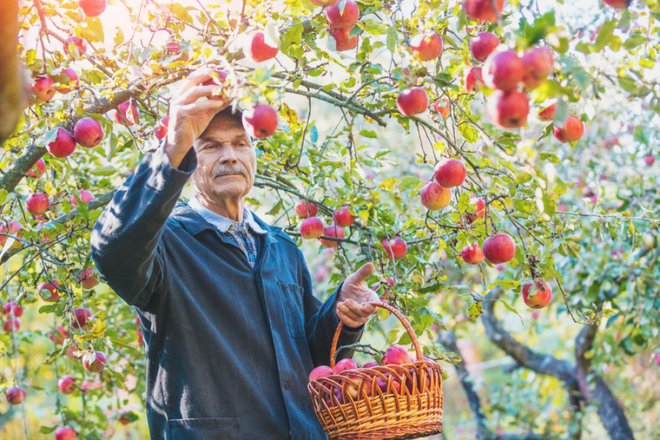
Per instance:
{"type": "Point", "coordinates": [222, 223]}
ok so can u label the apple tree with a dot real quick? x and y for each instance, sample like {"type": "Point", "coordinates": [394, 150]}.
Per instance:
{"type": "Point", "coordinates": [494, 159]}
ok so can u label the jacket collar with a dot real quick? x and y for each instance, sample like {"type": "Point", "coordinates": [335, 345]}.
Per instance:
{"type": "Point", "coordinates": [221, 222]}
{"type": "Point", "coordinates": [194, 223]}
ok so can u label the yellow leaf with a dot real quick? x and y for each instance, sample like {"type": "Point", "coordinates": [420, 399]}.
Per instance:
{"type": "Point", "coordinates": [388, 184]}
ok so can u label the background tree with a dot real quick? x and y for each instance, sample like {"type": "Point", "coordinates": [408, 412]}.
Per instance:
{"type": "Point", "coordinates": [548, 112]}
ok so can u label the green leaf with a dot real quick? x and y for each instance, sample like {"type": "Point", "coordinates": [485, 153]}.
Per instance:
{"type": "Point", "coordinates": [475, 310]}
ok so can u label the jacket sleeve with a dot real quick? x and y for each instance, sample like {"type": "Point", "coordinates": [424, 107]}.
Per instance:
{"type": "Point", "coordinates": [321, 322]}
{"type": "Point", "coordinates": [125, 240]}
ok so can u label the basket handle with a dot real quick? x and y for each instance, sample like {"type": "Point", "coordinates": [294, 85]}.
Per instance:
{"type": "Point", "coordinates": [395, 312]}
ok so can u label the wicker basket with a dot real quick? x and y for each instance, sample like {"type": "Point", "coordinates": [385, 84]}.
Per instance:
{"type": "Point", "coordinates": [381, 402]}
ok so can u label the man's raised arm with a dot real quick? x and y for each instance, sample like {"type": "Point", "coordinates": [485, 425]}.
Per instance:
{"type": "Point", "coordinates": [126, 237]}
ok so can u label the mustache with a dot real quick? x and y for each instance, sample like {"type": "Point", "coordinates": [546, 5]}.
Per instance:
{"type": "Point", "coordinates": [222, 170]}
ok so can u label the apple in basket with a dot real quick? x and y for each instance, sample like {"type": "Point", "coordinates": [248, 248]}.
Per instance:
{"type": "Point", "coordinates": [394, 384]}
{"type": "Point", "coordinates": [345, 364]}
{"type": "Point", "coordinates": [396, 355]}
{"type": "Point", "coordinates": [353, 386]}
{"type": "Point", "coordinates": [370, 364]}
{"type": "Point", "coordinates": [339, 399]}
{"type": "Point", "coordinates": [320, 371]}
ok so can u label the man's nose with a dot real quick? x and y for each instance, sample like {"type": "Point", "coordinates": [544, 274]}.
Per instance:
{"type": "Point", "coordinates": [227, 154]}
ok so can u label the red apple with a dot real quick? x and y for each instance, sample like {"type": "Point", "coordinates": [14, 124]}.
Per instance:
{"type": "Point", "coordinates": [538, 65]}
{"type": "Point", "coordinates": [649, 160]}
{"type": "Point", "coordinates": [85, 197]}
{"type": "Point", "coordinates": [127, 113]}
{"type": "Point", "coordinates": [343, 39]}
{"type": "Point", "coordinates": [472, 254]}
{"type": "Point", "coordinates": [94, 362]}
{"type": "Point", "coordinates": [395, 248]}
{"type": "Point", "coordinates": [343, 217]}
{"type": "Point", "coordinates": [67, 384]}
{"type": "Point", "coordinates": [412, 101]}
{"type": "Point", "coordinates": [434, 196]}
{"type": "Point", "coordinates": [442, 106]}
{"type": "Point", "coordinates": [538, 299]}
{"type": "Point", "coordinates": [173, 47]}
{"type": "Point", "coordinates": [161, 128]}
{"type": "Point", "coordinates": [472, 79]}
{"type": "Point", "coordinates": [311, 227]}
{"type": "Point", "coordinates": [75, 47]}
{"type": "Point", "coordinates": [345, 19]}
{"type": "Point", "coordinates": [483, 45]}
{"type": "Point", "coordinates": [548, 113]}
{"type": "Point", "coordinates": [618, 4]}
{"type": "Point", "coordinates": [15, 395]}
{"type": "Point", "coordinates": [345, 364]}
{"type": "Point", "coordinates": [80, 317]}
{"type": "Point", "coordinates": [499, 248]}
{"type": "Point", "coordinates": [450, 173]}
{"type": "Point", "coordinates": [427, 46]}
{"type": "Point", "coordinates": [483, 10]}
{"type": "Point", "coordinates": [503, 70]}
{"type": "Point", "coordinates": [43, 88]}
{"type": "Point", "coordinates": [69, 78]}
{"type": "Point", "coordinates": [11, 307]}
{"type": "Point", "coordinates": [37, 170]}
{"type": "Point", "coordinates": [370, 364]}
{"type": "Point", "coordinates": [92, 8]}
{"type": "Point", "coordinates": [320, 371]}
{"type": "Point", "coordinates": [479, 209]}
{"type": "Point", "coordinates": [65, 433]}
{"type": "Point", "coordinates": [51, 288]}
{"type": "Point", "coordinates": [306, 209]}
{"type": "Point", "coordinates": [64, 144]}
{"type": "Point", "coordinates": [37, 204]}
{"type": "Point", "coordinates": [396, 355]}
{"type": "Point", "coordinates": [88, 132]}
{"type": "Point", "coordinates": [87, 278]}
{"type": "Point", "coordinates": [58, 334]}
{"type": "Point", "coordinates": [258, 50]}
{"type": "Point", "coordinates": [571, 131]}
{"type": "Point", "coordinates": [260, 121]}
{"type": "Point", "coordinates": [508, 109]}
{"type": "Point", "coordinates": [14, 228]}
{"type": "Point", "coordinates": [334, 232]}
{"type": "Point", "coordinates": [11, 324]}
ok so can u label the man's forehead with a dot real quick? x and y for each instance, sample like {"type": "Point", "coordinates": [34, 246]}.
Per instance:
{"type": "Point", "coordinates": [223, 130]}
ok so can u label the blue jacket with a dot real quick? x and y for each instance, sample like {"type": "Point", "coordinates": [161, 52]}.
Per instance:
{"type": "Point", "coordinates": [228, 347]}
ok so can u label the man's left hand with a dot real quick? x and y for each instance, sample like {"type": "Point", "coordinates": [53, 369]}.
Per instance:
{"type": "Point", "coordinates": [352, 308]}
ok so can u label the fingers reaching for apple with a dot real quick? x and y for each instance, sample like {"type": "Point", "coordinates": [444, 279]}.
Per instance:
{"type": "Point", "coordinates": [353, 309]}
{"type": "Point", "coordinates": [191, 112]}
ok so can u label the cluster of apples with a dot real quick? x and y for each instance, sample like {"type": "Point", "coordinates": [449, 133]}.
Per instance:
{"type": "Point", "coordinates": [87, 131]}
{"type": "Point", "coordinates": [385, 383]}
{"type": "Point", "coordinates": [426, 46]}
{"type": "Point", "coordinates": [38, 203]}
{"type": "Point", "coordinates": [506, 72]}
{"type": "Point", "coordinates": [341, 21]}
{"type": "Point", "coordinates": [313, 227]}
{"type": "Point", "coordinates": [12, 311]}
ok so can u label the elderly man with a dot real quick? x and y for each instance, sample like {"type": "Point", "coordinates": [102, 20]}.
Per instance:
{"type": "Point", "coordinates": [230, 323]}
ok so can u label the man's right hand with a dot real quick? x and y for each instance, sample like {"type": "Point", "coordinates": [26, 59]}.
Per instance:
{"type": "Point", "coordinates": [190, 115]}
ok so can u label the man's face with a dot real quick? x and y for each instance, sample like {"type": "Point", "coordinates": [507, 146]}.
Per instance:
{"type": "Point", "coordinates": [226, 161]}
